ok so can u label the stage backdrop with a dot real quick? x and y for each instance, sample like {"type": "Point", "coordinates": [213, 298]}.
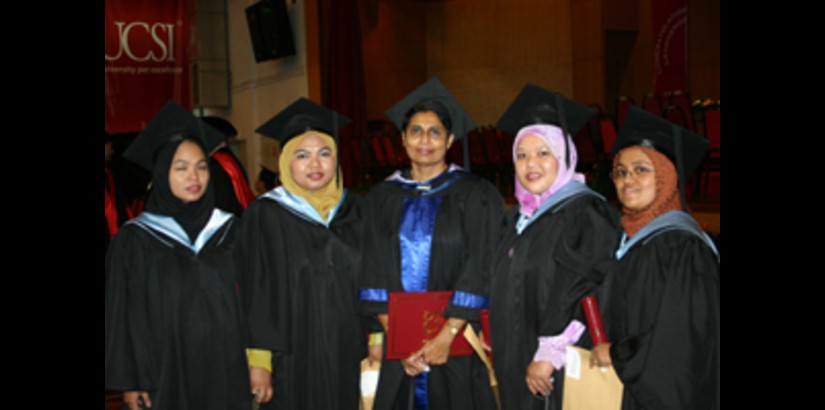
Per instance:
{"type": "Point", "coordinates": [146, 62]}
{"type": "Point", "coordinates": [669, 45]}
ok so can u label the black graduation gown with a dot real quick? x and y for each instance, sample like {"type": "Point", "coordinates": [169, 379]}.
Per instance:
{"type": "Point", "coordinates": [173, 322]}
{"type": "Point", "coordinates": [538, 282]}
{"type": "Point", "coordinates": [466, 231]}
{"type": "Point", "coordinates": [301, 300]}
{"type": "Point", "coordinates": [661, 312]}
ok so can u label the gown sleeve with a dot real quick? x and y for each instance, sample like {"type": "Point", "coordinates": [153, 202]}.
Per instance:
{"type": "Point", "coordinates": [483, 216]}
{"type": "Point", "coordinates": [376, 257]}
{"type": "Point", "coordinates": [259, 358]}
{"type": "Point", "coordinates": [264, 293]}
{"type": "Point", "coordinates": [588, 242]}
{"type": "Point", "coordinates": [671, 357]}
{"type": "Point", "coordinates": [129, 357]}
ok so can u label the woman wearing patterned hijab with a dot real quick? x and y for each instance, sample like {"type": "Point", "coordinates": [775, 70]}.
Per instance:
{"type": "Point", "coordinates": [550, 255]}
{"type": "Point", "coordinates": [661, 303]}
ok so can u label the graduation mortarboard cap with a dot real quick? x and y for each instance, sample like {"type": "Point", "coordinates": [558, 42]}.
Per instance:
{"type": "Point", "coordinates": [268, 177]}
{"type": "Point", "coordinates": [301, 116]}
{"type": "Point", "coordinates": [685, 148]}
{"type": "Point", "coordinates": [171, 120]}
{"type": "Point", "coordinates": [222, 125]}
{"type": "Point", "coordinates": [537, 105]}
{"type": "Point", "coordinates": [433, 89]}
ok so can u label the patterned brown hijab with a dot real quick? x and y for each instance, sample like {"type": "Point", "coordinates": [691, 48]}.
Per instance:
{"type": "Point", "coordinates": [667, 192]}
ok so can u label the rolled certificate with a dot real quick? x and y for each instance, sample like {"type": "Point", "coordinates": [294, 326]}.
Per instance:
{"type": "Point", "coordinates": [594, 320]}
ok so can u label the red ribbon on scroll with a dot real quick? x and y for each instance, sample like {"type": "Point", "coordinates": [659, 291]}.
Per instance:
{"type": "Point", "coordinates": [594, 320]}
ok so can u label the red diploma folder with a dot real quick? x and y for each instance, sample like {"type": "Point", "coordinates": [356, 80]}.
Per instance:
{"type": "Point", "coordinates": [594, 320]}
{"type": "Point", "coordinates": [414, 319]}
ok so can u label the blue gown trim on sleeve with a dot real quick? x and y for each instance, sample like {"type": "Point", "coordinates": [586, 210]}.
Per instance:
{"type": "Point", "coordinates": [300, 207]}
{"type": "Point", "coordinates": [568, 191]}
{"type": "Point", "coordinates": [374, 295]}
{"type": "Point", "coordinates": [469, 300]}
{"type": "Point", "coordinates": [670, 221]}
{"type": "Point", "coordinates": [170, 228]}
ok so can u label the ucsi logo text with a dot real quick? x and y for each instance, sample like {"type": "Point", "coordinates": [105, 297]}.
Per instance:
{"type": "Point", "coordinates": [141, 42]}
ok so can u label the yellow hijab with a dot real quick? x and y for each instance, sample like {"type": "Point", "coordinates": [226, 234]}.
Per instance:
{"type": "Point", "coordinates": [324, 199]}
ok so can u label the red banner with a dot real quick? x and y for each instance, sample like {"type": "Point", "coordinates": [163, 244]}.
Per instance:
{"type": "Point", "coordinates": [670, 45]}
{"type": "Point", "coordinates": [146, 62]}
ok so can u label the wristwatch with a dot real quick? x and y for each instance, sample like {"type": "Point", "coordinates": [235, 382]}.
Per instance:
{"type": "Point", "coordinates": [453, 330]}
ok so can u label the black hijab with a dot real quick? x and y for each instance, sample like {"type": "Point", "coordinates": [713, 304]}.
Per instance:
{"type": "Point", "coordinates": [192, 216]}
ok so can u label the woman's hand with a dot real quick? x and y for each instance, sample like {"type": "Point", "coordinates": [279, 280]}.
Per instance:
{"type": "Point", "coordinates": [437, 350]}
{"type": "Point", "coordinates": [261, 383]}
{"type": "Point", "coordinates": [415, 364]}
{"type": "Point", "coordinates": [600, 356]}
{"type": "Point", "coordinates": [137, 400]}
{"type": "Point", "coordinates": [538, 378]}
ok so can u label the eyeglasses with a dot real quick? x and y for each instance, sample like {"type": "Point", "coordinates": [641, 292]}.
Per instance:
{"type": "Point", "coordinates": [416, 132]}
{"type": "Point", "coordinates": [638, 171]}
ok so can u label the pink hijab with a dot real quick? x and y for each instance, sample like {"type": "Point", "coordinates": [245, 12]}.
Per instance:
{"type": "Point", "coordinates": [553, 137]}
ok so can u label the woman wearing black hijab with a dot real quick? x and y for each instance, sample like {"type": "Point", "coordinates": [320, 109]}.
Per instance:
{"type": "Point", "coordinates": [174, 338]}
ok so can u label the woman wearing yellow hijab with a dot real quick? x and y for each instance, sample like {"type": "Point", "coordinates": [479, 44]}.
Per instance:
{"type": "Point", "coordinates": [299, 255]}
{"type": "Point", "coordinates": [308, 164]}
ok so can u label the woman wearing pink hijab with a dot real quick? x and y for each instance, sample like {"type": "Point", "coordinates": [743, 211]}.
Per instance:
{"type": "Point", "coordinates": [554, 243]}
